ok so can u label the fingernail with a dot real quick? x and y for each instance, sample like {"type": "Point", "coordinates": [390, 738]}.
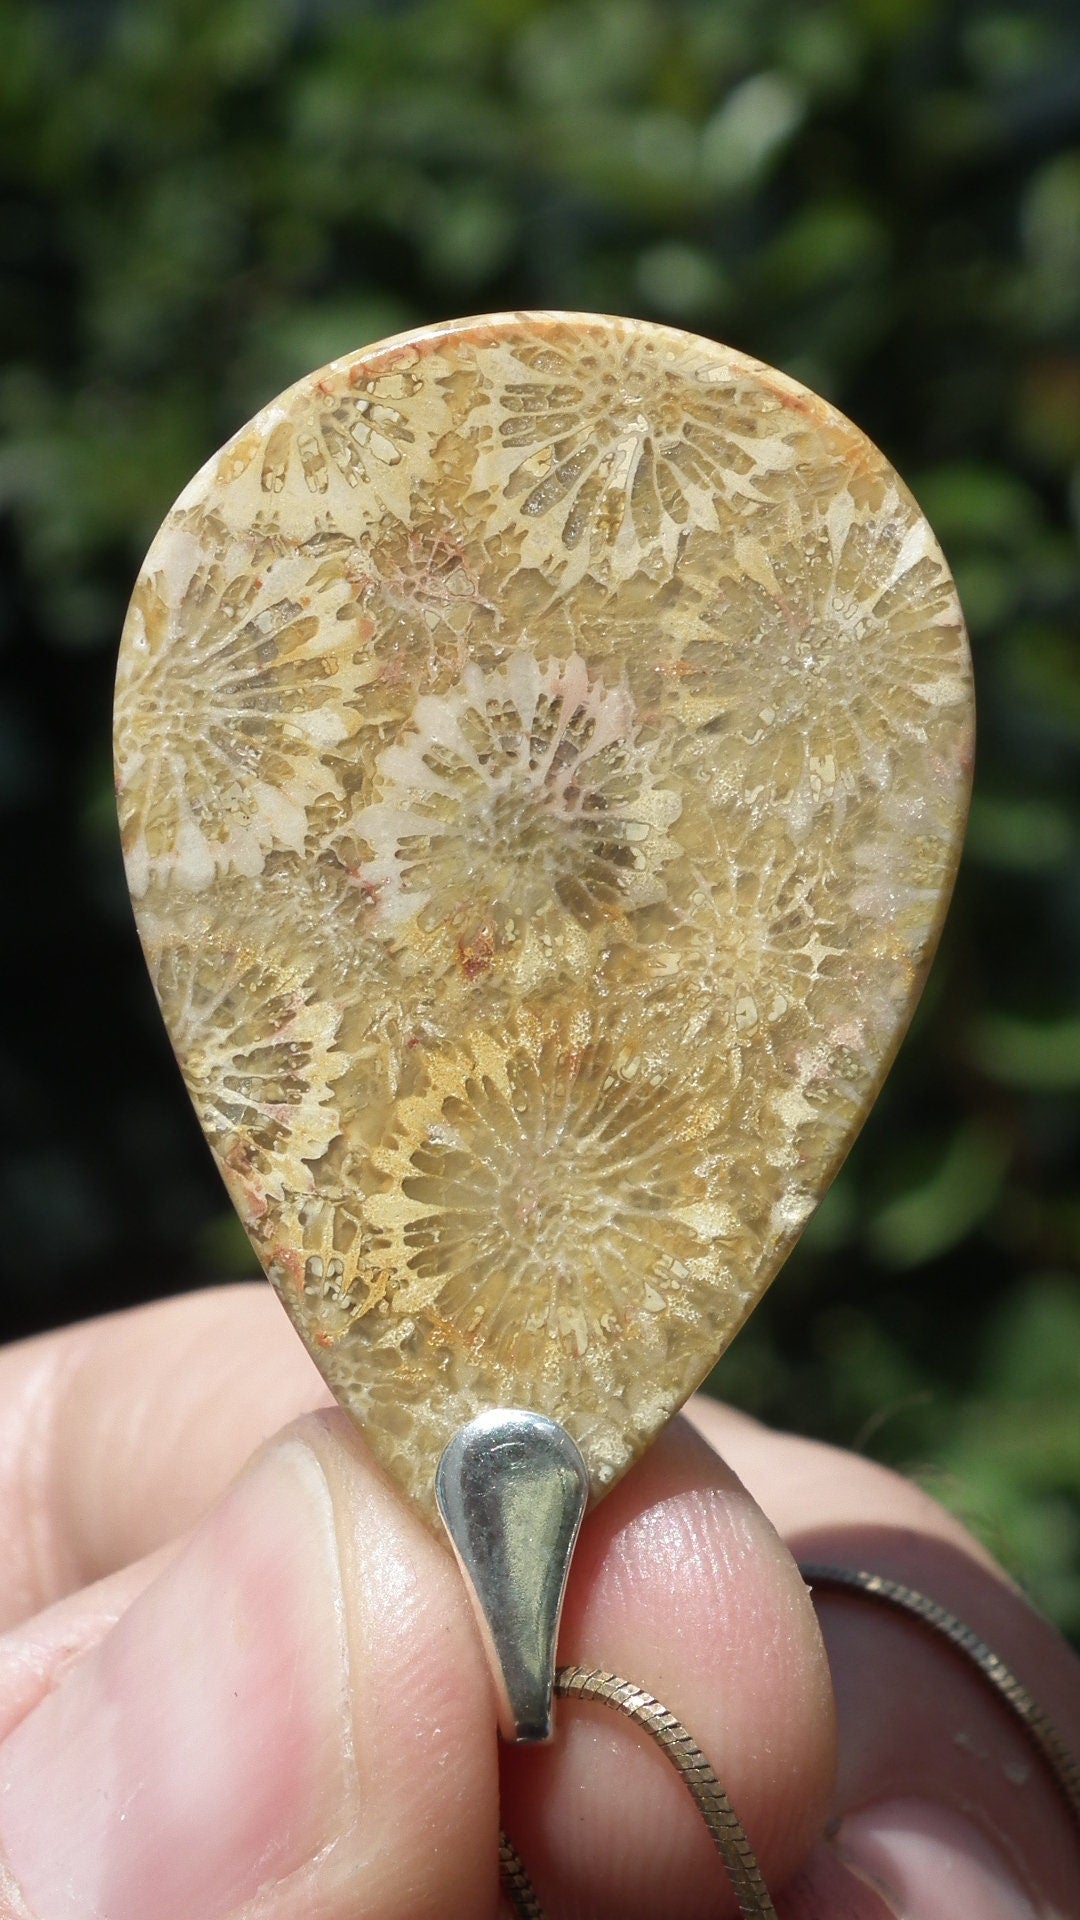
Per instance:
{"type": "Point", "coordinates": [202, 1749]}
{"type": "Point", "coordinates": [930, 1863]}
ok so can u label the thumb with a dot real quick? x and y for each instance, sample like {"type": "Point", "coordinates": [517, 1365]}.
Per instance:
{"type": "Point", "coordinates": [293, 1715]}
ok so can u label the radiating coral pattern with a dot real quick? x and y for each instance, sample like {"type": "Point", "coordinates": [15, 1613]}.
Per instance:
{"type": "Point", "coordinates": [236, 684]}
{"type": "Point", "coordinates": [357, 427]}
{"type": "Point", "coordinates": [542, 746]}
{"type": "Point", "coordinates": [256, 1049]}
{"type": "Point", "coordinates": [518, 811]}
{"type": "Point", "coordinates": [498, 1212]}
{"type": "Point", "coordinates": [612, 458]}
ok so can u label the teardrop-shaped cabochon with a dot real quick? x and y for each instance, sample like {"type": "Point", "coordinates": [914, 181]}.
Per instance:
{"type": "Point", "coordinates": [543, 746]}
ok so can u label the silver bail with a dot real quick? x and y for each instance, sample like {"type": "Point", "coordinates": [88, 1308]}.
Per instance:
{"type": "Point", "coordinates": [512, 1488]}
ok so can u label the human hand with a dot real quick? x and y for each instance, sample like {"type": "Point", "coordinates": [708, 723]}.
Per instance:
{"type": "Point", "coordinates": [263, 1697]}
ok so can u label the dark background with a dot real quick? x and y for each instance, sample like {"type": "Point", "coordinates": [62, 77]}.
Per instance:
{"type": "Point", "coordinates": [201, 202]}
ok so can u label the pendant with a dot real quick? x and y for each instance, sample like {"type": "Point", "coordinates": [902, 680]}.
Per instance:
{"type": "Point", "coordinates": [543, 745]}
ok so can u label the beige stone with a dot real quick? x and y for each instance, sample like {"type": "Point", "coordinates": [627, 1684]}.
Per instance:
{"type": "Point", "coordinates": [543, 745]}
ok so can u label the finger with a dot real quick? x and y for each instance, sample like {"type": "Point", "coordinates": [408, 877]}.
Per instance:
{"type": "Point", "coordinates": [35, 1658]}
{"type": "Point", "coordinates": [296, 1712]}
{"type": "Point", "coordinates": [681, 1585]}
{"type": "Point", "coordinates": [118, 1434]}
{"type": "Point", "coordinates": [921, 1734]}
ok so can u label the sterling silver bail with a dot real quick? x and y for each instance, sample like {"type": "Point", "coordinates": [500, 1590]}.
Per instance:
{"type": "Point", "coordinates": [512, 1487]}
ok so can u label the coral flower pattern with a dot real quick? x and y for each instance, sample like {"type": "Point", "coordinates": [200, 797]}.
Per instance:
{"type": "Point", "coordinates": [256, 1052]}
{"type": "Point", "coordinates": [824, 601]}
{"type": "Point", "coordinates": [535, 770]}
{"type": "Point", "coordinates": [500, 1213]}
{"type": "Point", "coordinates": [612, 459]}
{"type": "Point", "coordinates": [553, 1192]}
{"type": "Point", "coordinates": [253, 659]}
{"type": "Point", "coordinates": [357, 428]}
{"type": "Point", "coordinates": [543, 746]}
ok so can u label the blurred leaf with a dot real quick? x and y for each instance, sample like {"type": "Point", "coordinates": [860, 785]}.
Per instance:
{"type": "Point", "coordinates": [1050, 223]}
{"type": "Point", "coordinates": [825, 243]}
{"type": "Point", "coordinates": [749, 131]}
{"type": "Point", "coordinates": [988, 587]}
{"type": "Point", "coordinates": [1022, 833]}
{"type": "Point", "coordinates": [469, 236]}
{"type": "Point", "coordinates": [824, 48]}
{"type": "Point", "coordinates": [681, 282]}
{"type": "Point", "coordinates": [1040, 1055]}
{"type": "Point", "coordinates": [1007, 46]}
{"type": "Point", "coordinates": [834, 1223]}
{"type": "Point", "coordinates": [967, 502]}
{"type": "Point", "coordinates": [933, 1215]}
{"type": "Point", "coordinates": [588, 51]}
{"type": "Point", "coordinates": [891, 19]}
{"type": "Point", "coordinates": [1011, 1463]}
{"type": "Point", "coordinates": [300, 337]}
{"type": "Point", "coordinates": [1041, 671]}
{"type": "Point", "coordinates": [875, 1382]}
{"type": "Point", "coordinates": [1047, 410]}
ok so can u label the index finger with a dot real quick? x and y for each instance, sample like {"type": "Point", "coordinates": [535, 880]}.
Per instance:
{"type": "Point", "coordinates": [294, 1714]}
{"type": "Point", "coordinates": [117, 1434]}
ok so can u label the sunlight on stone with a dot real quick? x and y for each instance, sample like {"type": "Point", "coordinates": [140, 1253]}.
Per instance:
{"type": "Point", "coordinates": [543, 747]}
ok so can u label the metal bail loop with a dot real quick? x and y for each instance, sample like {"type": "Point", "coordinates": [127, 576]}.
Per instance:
{"type": "Point", "coordinates": [512, 1488]}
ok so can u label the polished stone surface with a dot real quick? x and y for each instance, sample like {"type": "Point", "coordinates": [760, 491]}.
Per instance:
{"type": "Point", "coordinates": [543, 746]}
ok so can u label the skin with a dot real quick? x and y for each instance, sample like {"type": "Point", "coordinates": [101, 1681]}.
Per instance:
{"type": "Point", "coordinates": [239, 1679]}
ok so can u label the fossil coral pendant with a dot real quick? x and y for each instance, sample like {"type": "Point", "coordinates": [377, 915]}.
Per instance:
{"type": "Point", "coordinates": [542, 745]}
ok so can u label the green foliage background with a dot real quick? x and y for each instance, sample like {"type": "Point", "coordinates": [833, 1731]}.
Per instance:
{"type": "Point", "coordinates": [203, 201]}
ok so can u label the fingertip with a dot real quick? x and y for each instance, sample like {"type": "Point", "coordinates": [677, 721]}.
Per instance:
{"type": "Point", "coordinates": [423, 1709]}
{"type": "Point", "coordinates": [118, 1434]}
{"type": "Point", "coordinates": [681, 1585]}
{"type": "Point", "coordinates": [294, 1709]}
{"type": "Point", "coordinates": [918, 1721]}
